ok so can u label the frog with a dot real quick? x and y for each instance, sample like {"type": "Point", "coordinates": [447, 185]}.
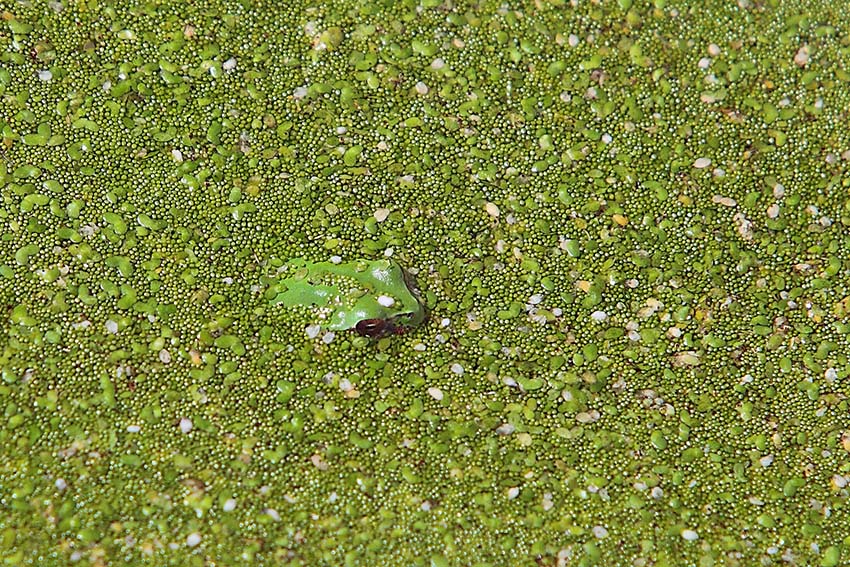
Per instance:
{"type": "Point", "coordinates": [374, 298]}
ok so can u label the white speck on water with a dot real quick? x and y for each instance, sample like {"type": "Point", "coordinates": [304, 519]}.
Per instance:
{"type": "Point", "coordinates": [436, 393]}
{"type": "Point", "coordinates": [704, 63]}
{"type": "Point", "coordinates": [419, 347]}
{"type": "Point", "coordinates": [300, 93]}
{"type": "Point", "coordinates": [713, 49]}
{"type": "Point", "coordinates": [573, 40]}
{"type": "Point", "coordinates": [513, 492]}
{"type": "Point", "coordinates": [598, 316]}
{"type": "Point", "coordinates": [83, 325]}
{"type": "Point", "coordinates": [599, 532]}
{"type": "Point", "coordinates": [557, 311]}
{"type": "Point", "coordinates": [773, 211]}
{"type": "Point", "coordinates": [345, 385]}
{"type": "Point", "coordinates": [607, 139]}
{"type": "Point", "coordinates": [457, 369]}
{"type": "Point", "coordinates": [536, 299]}
{"type": "Point", "coordinates": [229, 65]}
{"type": "Point", "coordinates": [312, 331]}
{"type": "Point", "coordinates": [45, 75]}
{"type": "Point", "coordinates": [386, 301]}
{"type": "Point", "coordinates": [438, 63]}
{"type": "Point", "coordinates": [111, 327]}
{"type": "Point", "coordinates": [133, 429]}
{"type": "Point", "coordinates": [381, 214]}
{"type": "Point", "coordinates": [701, 163]}
{"type": "Point", "coordinates": [766, 461]}
{"type": "Point", "coordinates": [801, 58]}
{"type": "Point", "coordinates": [177, 155]}
{"type": "Point", "coordinates": [164, 356]}
{"type": "Point", "coordinates": [421, 88]}
{"type": "Point", "coordinates": [229, 505]}
{"type": "Point", "coordinates": [336, 260]}
{"type": "Point", "coordinates": [389, 252]}
{"type": "Point", "coordinates": [185, 425]}
{"type": "Point", "coordinates": [725, 201]}
{"type": "Point", "coordinates": [492, 209]}
{"type": "Point", "coordinates": [328, 337]}
{"type": "Point", "coordinates": [587, 416]}
{"type": "Point", "coordinates": [656, 492]}
{"type": "Point", "coordinates": [61, 484]}
{"type": "Point", "coordinates": [193, 539]}
{"type": "Point", "coordinates": [690, 535]}
{"type": "Point", "coordinates": [505, 429]}
{"type": "Point", "coordinates": [318, 462]}
{"type": "Point", "coordinates": [425, 506]}
{"type": "Point", "coordinates": [272, 513]}
{"type": "Point", "coordinates": [445, 322]}
{"type": "Point", "coordinates": [830, 375]}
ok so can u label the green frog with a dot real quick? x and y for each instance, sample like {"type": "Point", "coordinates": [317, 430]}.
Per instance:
{"type": "Point", "coordinates": [374, 297]}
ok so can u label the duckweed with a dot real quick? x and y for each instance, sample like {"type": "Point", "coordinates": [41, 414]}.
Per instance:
{"type": "Point", "coordinates": [629, 221]}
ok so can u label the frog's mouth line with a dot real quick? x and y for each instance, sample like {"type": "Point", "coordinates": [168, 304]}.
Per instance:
{"type": "Point", "coordinates": [412, 284]}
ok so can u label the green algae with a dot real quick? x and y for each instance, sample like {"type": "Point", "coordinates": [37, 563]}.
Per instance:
{"type": "Point", "coordinates": [629, 220]}
{"type": "Point", "coordinates": [348, 293]}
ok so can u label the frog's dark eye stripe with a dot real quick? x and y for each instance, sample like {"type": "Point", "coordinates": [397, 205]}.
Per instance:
{"type": "Point", "coordinates": [372, 327]}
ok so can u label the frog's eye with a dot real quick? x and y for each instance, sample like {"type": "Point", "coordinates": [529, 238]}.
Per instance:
{"type": "Point", "coordinates": [372, 327]}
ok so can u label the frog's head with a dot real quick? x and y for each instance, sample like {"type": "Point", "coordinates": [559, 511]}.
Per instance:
{"type": "Point", "coordinates": [375, 298]}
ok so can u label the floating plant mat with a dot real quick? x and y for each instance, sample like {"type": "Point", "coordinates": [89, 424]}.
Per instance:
{"type": "Point", "coordinates": [630, 221]}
